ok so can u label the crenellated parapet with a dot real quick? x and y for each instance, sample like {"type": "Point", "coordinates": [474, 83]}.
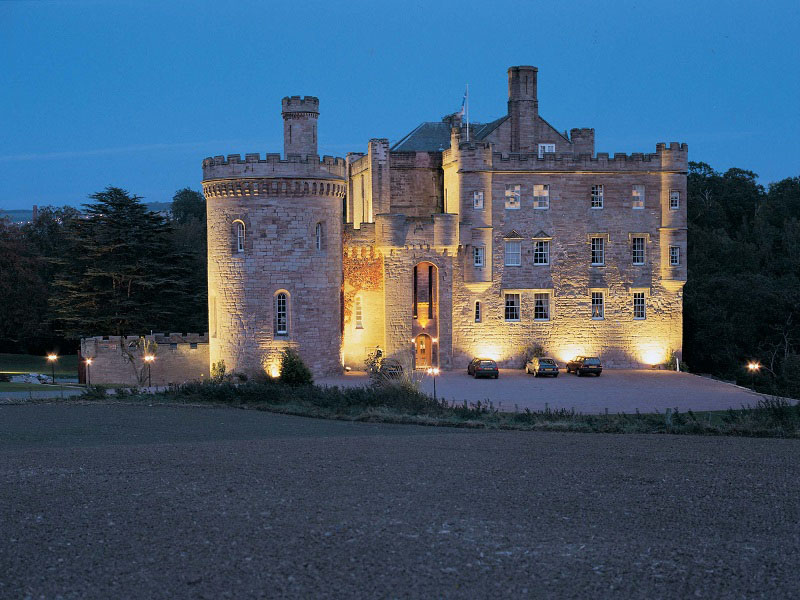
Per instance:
{"type": "Point", "coordinates": [293, 187]}
{"type": "Point", "coordinates": [253, 165]}
{"type": "Point", "coordinates": [294, 106]}
{"type": "Point", "coordinates": [399, 230]}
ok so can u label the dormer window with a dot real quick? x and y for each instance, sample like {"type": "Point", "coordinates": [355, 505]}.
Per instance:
{"type": "Point", "coordinates": [546, 148]}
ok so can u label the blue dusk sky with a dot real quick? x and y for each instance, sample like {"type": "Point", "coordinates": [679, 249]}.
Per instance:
{"type": "Point", "coordinates": [136, 94]}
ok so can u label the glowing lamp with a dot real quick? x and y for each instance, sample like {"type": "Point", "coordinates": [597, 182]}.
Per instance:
{"type": "Point", "coordinates": [52, 357]}
{"type": "Point", "coordinates": [753, 366]}
{"type": "Point", "coordinates": [149, 358]}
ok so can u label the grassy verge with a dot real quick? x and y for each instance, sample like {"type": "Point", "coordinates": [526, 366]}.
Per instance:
{"type": "Point", "coordinates": [771, 417]}
{"type": "Point", "coordinates": [14, 364]}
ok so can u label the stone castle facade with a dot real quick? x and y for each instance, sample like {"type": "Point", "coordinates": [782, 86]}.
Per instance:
{"type": "Point", "coordinates": [459, 241]}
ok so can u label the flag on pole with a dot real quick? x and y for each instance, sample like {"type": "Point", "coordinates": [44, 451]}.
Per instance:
{"type": "Point", "coordinates": [463, 104]}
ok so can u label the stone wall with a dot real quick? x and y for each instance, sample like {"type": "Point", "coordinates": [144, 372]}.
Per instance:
{"type": "Point", "coordinates": [178, 358]}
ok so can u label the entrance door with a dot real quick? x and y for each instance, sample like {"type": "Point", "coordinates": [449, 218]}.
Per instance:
{"type": "Point", "coordinates": [423, 354]}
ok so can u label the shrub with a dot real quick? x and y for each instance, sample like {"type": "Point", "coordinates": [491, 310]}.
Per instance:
{"type": "Point", "coordinates": [218, 371]}
{"type": "Point", "coordinates": [532, 350]}
{"type": "Point", "coordinates": [294, 371]}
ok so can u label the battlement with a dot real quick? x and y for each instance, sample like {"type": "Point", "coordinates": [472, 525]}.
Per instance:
{"type": "Point", "coordinates": [299, 104]}
{"type": "Point", "coordinates": [253, 165]}
{"type": "Point", "coordinates": [158, 338]}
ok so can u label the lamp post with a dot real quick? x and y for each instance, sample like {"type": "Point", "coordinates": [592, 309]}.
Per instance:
{"type": "Point", "coordinates": [149, 358]}
{"type": "Point", "coordinates": [53, 358]}
{"type": "Point", "coordinates": [88, 372]}
{"type": "Point", "coordinates": [434, 371]}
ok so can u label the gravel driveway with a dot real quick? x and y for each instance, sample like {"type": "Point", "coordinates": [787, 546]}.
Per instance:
{"type": "Point", "coordinates": [618, 390]}
{"type": "Point", "coordinates": [104, 501]}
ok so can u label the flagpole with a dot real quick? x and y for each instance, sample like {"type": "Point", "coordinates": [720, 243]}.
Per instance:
{"type": "Point", "coordinates": [467, 111]}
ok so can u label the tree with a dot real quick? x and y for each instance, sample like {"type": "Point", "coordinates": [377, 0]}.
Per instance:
{"type": "Point", "coordinates": [188, 205]}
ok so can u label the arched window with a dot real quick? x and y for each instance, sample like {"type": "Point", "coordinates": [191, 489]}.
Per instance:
{"type": "Point", "coordinates": [319, 237]}
{"type": "Point", "coordinates": [239, 236]}
{"type": "Point", "coordinates": [281, 313]}
{"type": "Point", "coordinates": [478, 312]}
{"type": "Point", "coordinates": [359, 313]}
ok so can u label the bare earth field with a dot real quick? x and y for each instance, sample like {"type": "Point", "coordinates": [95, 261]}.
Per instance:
{"type": "Point", "coordinates": [122, 501]}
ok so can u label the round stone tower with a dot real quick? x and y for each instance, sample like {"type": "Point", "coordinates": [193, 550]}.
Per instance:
{"type": "Point", "coordinates": [275, 251]}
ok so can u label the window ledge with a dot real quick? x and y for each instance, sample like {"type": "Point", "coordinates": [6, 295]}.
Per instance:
{"type": "Point", "coordinates": [598, 318]}
{"type": "Point", "coordinates": [512, 320]}
{"type": "Point", "coordinates": [639, 318]}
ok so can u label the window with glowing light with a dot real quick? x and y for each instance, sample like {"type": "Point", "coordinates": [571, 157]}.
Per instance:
{"type": "Point", "coordinates": [541, 252]}
{"type": "Point", "coordinates": [359, 314]}
{"type": "Point", "coordinates": [541, 307]}
{"type": "Point", "coordinates": [239, 236]}
{"type": "Point", "coordinates": [512, 307]}
{"type": "Point", "coordinates": [477, 312]}
{"type": "Point", "coordinates": [674, 199]}
{"type": "Point", "coordinates": [479, 256]}
{"type": "Point", "coordinates": [637, 250]}
{"type": "Point", "coordinates": [598, 251]}
{"type": "Point", "coordinates": [638, 306]}
{"type": "Point", "coordinates": [674, 256]}
{"type": "Point", "coordinates": [513, 254]}
{"type": "Point", "coordinates": [545, 148]}
{"type": "Point", "coordinates": [477, 200]}
{"type": "Point", "coordinates": [541, 196]}
{"type": "Point", "coordinates": [597, 196]}
{"type": "Point", "coordinates": [512, 197]}
{"type": "Point", "coordinates": [598, 308]}
{"type": "Point", "coordinates": [637, 196]}
{"type": "Point", "coordinates": [281, 314]}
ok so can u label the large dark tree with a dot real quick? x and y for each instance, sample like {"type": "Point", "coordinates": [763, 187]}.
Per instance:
{"type": "Point", "coordinates": [121, 273]}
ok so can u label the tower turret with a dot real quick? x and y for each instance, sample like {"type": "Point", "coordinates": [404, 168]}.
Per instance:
{"type": "Point", "coordinates": [300, 116]}
{"type": "Point", "coordinates": [523, 107]}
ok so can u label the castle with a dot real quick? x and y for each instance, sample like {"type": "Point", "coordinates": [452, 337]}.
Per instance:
{"type": "Point", "coordinates": [459, 241]}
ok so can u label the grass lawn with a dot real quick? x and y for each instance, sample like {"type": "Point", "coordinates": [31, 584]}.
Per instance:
{"type": "Point", "coordinates": [66, 366]}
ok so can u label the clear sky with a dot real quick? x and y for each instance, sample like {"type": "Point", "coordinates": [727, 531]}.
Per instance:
{"type": "Point", "coordinates": [136, 94]}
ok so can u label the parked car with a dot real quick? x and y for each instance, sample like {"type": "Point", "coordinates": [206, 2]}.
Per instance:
{"type": "Point", "coordinates": [583, 365]}
{"type": "Point", "coordinates": [542, 366]}
{"type": "Point", "coordinates": [483, 367]}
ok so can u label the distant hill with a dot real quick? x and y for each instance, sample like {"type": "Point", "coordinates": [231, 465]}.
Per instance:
{"type": "Point", "coordinates": [23, 215]}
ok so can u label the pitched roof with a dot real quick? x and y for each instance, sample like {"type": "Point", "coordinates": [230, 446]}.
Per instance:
{"type": "Point", "coordinates": [434, 136]}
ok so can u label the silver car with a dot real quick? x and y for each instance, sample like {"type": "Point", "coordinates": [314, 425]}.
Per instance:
{"type": "Point", "coordinates": [542, 366]}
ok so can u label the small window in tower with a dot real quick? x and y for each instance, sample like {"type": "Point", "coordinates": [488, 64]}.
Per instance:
{"type": "Point", "coordinates": [674, 199]}
{"type": "Point", "coordinates": [281, 314]}
{"type": "Point", "coordinates": [359, 314]}
{"type": "Point", "coordinates": [477, 200]}
{"type": "Point", "coordinates": [239, 236]}
{"type": "Point", "coordinates": [319, 237]}
{"type": "Point", "coordinates": [478, 315]}
{"type": "Point", "coordinates": [479, 256]}
{"type": "Point", "coordinates": [674, 256]}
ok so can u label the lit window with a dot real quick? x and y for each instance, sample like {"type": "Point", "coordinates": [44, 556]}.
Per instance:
{"type": "Point", "coordinates": [513, 254]}
{"type": "Point", "coordinates": [359, 314]}
{"type": "Point", "coordinates": [477, 312]}
{"type": "Point", "coordinates": [597, 196]}
{"type": "Point", "coordinates": [319, 235]}
{"type": "Point", "coordinates": [598, 251]}
{"type": "Point", "coordinates": [598, 310]}
{"type": "Point", "coordinates": [638, 305]}
{"type": "Point", "coordinates": [674, 199]}
{"type": "Point", "coordinates": [637, 250]}
{"type": "Point", "coordinates": [541, 307]}
{"type": "Point", "coordinates": [512, 197]}
{"type": "Point", "coordinates": [544, 148]}
{"type": "Point", "coordinates": [479, 256]}
{"type": "Point", "coordinates": [512, 307]}
{"type": "Point", "coordinates": [477, 200]}
{"type": "Point", "coordinates": [637, 196]}
{"type": "Point", "coordinates": [281, 314]}
{"type": "Point", "coordinates": [674, 256]}
{"type": "Point", "coordinates": [541, 196]}
{"type": "Point", "coordinates": [239, 236]}
{"type": "Point", "coordinates": [541, 252]}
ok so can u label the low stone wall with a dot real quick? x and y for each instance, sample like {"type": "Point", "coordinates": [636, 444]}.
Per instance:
{"type": "Point", "coordinates": [178, 358]}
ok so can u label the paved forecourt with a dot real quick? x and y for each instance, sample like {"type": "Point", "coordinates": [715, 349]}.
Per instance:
{"type": "Point", "coordinates": [618, 390]}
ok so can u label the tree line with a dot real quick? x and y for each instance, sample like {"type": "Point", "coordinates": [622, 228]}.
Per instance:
{"type": "Point", "coordinates": [117, 268]}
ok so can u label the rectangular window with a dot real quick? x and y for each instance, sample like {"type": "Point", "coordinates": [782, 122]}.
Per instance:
{"type": "Point", "coordinates": [541, 252]}
{"type": "Point", "coordinates": [513, 254]}
{"type": "Point", "coordinates": [477, 200]}
{"type": "Point", "coordinates": [637, 250]}
{"type": "Point", "coordinates": [598, 310]}
{"type": "Point", "coordinates": [638, 305]}
{"type": "Point", "coordinates": [541, 196]}
{"type": "Point", "coordinates": [597, 196]}
{"type": "Point", "coordinates": [512, 197]}
{"type": "Point", "coordinates": [479, 256]}
{"type": "Point", "coordinates": [674, 199]}
{"type": "Point", "coordinates": [359, 314]}
{"type": "Point", "coordinates": [598, 251]}
{"type": "Point", "coordinates": [674, 256]}
{"type": "Point", "coordinates": [637, 196]}
{"type": "Point", "coordinates": [543, 148]}
{"type": "Point", "coordinates": [541, 307]}
{"type": "Point", "coordinates": [477, 312]}
{"type": "Point", "coordinates": [512, 307]}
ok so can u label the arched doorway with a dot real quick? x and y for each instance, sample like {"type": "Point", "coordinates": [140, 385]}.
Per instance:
{"type": "Point", "coordinates": [423, 351]}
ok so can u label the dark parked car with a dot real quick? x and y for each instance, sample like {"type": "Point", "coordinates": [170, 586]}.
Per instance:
{"type": "Point", "coordinates": [582, 365]}
{"type": "Point", "coordinates": [542, 366]}
{"type": "Point", "coordinates": [483, 367]}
